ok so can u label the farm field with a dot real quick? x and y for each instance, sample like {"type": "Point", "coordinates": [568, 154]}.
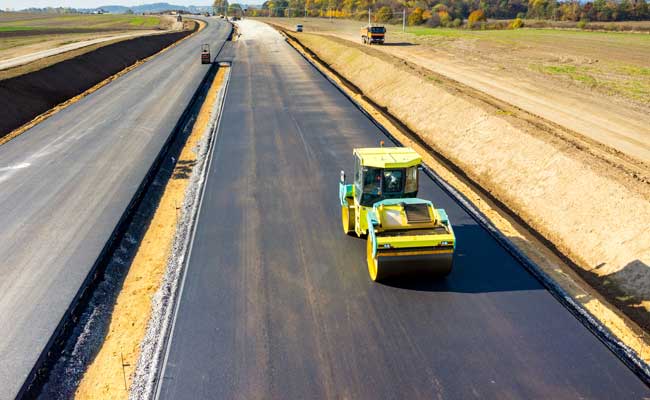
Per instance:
{"type": "Point", "coordinates": [613, 63]}
{"type": "Point", "coordinates": [24, 33]}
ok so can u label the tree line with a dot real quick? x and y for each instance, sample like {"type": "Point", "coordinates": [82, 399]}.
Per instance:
{"type": "Point", "coordinates": [449, 11]}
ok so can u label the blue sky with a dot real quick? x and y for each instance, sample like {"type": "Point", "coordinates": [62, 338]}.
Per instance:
{"type": "Point", "coordinates": [20, 4]}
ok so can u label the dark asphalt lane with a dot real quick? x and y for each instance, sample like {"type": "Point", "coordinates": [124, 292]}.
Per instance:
{"type": "Point", "coordinates": [64, 185]}
{"type": "Point", "coordinates": [277, 302]}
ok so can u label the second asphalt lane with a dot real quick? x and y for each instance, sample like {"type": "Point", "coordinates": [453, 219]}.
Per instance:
{"type": "Point", "coordinates": [66, 182]}
{"type": "Point", "coordinates": [277, 302]}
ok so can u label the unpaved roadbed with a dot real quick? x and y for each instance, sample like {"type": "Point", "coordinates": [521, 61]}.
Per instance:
{"type": "Point", "coordinates": [552, 186]}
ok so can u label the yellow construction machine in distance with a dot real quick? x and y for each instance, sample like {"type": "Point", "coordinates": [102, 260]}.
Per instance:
{"type": "Point", "coordinates": [406, 235]}
{"type": "Point", "coordinates": [373, 34]}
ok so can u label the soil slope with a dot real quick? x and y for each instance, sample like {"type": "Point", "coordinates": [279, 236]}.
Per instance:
{"type": "Point", "coordinates": [26, 96]}
{"type": "Point", "coordinates": [594, 84]}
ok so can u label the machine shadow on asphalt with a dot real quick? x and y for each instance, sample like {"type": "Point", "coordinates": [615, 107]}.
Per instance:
{"type": "Point", "coordinates": [473, 272]}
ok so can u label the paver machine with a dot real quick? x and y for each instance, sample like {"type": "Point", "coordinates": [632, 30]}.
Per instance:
{"type": "Point", "coordinates": [206, 58]}
{"type": "Point", "coordinates": [405, 235]}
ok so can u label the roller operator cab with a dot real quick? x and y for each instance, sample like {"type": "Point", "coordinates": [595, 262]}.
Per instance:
{"type": "Point", "coordinates": [405, 235]}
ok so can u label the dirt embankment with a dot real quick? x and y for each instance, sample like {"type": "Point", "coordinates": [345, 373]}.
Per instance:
{"type": "Point", "coordinates": [594, 85]}
{"type": "Point", "coordinates": [24, 97]}
{"type": "Point", "coordinates": [590, 210]}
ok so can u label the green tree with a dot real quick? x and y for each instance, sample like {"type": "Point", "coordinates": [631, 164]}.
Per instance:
{"type": "Point", "coordinates": [234, 9]}
{"type": "Point", "coordinates": [445, 19]}
{"type": "Point", "coordinates": [219, 6]}
{"type": "Point", "coordinates": [384, 14]}
{"type": "Point", "coordinates": [434, 21]}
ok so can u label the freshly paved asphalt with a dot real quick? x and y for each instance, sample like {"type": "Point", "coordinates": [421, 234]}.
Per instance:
{"type": "Point", "coordinates": [65, 183]}
{"type": "Point", "coordinates": [277, 302]}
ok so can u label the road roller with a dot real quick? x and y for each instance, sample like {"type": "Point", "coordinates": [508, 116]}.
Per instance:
{"type": "Point", "coordinates": [406, 235]}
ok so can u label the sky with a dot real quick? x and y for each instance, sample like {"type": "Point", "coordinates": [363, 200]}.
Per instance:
{"type": "Point", "coordinates": [21, 4]}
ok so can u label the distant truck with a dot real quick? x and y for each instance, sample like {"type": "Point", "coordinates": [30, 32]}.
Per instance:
{"type": "Point", "coordinates": [373, 34]}
{"type": "Point", "coordinates": [299, 28]}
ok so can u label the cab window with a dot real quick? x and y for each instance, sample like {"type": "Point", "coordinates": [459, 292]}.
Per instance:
{"type": "Point", "coordinates": [371, 180]}
{"type": "Point", "coordinates": [357, 170]}
{"type": "Point", "coordinates": [411, 185]}
{"type": "Point", "coordinates": [393, 180]}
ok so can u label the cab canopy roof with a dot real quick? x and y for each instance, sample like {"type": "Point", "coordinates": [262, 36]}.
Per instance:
{"type": "Point", "coordinates": [388, 157]}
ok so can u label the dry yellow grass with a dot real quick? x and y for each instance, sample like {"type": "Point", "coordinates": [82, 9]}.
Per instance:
{"type": "Point", "coordinates": [104, 377]}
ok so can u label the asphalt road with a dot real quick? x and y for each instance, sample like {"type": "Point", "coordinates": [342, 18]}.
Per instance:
{"type": "Point", "coordinates": [64, 185]}
{"type": "Point", "coordinates": [277, 302]}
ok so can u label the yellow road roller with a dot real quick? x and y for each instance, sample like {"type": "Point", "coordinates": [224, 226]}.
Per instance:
{"type": "Point", "coordinates": [405, 235]}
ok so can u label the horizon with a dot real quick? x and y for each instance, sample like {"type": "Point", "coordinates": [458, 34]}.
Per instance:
{"type": "Point", "coordinates": [85, 4]}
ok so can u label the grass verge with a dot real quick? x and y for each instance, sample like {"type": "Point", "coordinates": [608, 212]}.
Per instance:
{"type": "Point", "coordinates": [628, 81]}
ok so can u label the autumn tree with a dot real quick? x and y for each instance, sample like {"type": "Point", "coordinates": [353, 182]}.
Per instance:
{"type": "Point", "coordinates": [384, 14]}
{"type": "Point", "coordinates": [415, 18]}
{"type": "Point", "coordinates": [474, 17]}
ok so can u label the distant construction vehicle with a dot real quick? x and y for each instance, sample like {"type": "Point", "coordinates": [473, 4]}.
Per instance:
{"type": "Point", "coordinates": [373, 34]}
{"type": "Point", "coordinates": [405, 235]}
{"type": "Point", "coordinates": [206, 58]}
